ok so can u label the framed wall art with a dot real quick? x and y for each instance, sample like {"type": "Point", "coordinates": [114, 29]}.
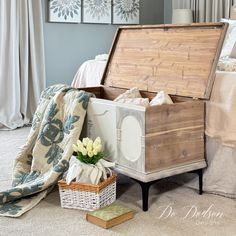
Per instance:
{"type": "Point", "coordinates": [126, 11]}
{"type": "Point", "coordinates": [97, 11]}
{"type": "Point", "coordinates": [64, 11]}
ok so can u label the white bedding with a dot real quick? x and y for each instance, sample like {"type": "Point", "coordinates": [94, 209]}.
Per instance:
{"type": "Point", "coordinates": [89, 74]}
{"type": "Point", "coordinates": [220, 176]}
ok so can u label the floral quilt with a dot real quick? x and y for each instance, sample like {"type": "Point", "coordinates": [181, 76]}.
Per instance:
{"type": "Point", "coordinates": [56, 125]}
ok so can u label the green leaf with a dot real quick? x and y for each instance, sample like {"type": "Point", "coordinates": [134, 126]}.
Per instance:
{"type": "Point", "coordinates": [90, 160]}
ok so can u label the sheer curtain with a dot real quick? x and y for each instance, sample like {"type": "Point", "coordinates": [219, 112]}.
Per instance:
{"type": "Point", "coordinates": [206, 10]}
{"type": "Point", "coordinates": [22, 64]}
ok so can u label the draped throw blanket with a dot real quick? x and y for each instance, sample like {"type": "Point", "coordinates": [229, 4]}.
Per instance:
{"type": "Point", "coordinates": [57, 124]}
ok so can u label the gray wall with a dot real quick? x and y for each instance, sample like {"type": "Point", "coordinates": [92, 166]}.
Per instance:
{"type": "Point", "coordinates": [168, 11]}
{"type": "Point", "coordinates": [67, 46]}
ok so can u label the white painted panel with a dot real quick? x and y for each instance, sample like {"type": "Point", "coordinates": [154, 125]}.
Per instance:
{"type": "Point", "coordinates": [101, 121]}
{"type": "Point", "coordinates": [131, 138]}
{"type": "Point", "coordinates": [131, 132]}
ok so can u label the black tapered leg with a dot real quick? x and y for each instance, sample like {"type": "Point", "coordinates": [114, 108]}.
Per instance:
{"type": "Point", "coordinates": [145, 195]}
{"type": "Point", "coordinates": [200, 175]}
{"type": "Point", "coordinates": [145, 192]}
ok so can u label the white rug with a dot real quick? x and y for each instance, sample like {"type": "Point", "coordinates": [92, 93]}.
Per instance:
{"type": "Point", "coordinates": [48, 218]}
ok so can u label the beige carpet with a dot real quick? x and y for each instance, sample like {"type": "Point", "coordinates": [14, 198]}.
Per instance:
{"type": "Point", "coordinates": [48, 218]}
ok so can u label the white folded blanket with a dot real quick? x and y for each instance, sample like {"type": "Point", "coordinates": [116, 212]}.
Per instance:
{"type": "Point", "coordinates": [132, 93]}
{"type": "Point", "coordinates": [160, 99]}
{"type": "Point", "coordinates": [134, 97]}
{"type": "Point", "coordinates": [144, 102]}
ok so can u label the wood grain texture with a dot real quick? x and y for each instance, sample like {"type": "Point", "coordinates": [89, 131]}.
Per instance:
{"type": "Point", "coordinates": [174, 135]}
{"type": "Point", "coordinates": [174, 116]}
{"type": "Point", "coordinates": [97, 91]}
{"type": "Point", "coordinates": [179, 59]}
{"type": "Point", "coordinates": [110, 93]}
{"type": "Point", "coordinates": [173, 148]}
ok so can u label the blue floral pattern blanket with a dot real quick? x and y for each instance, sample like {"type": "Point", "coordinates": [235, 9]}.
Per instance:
{"type": "Point", "coordinates": [56, 125]}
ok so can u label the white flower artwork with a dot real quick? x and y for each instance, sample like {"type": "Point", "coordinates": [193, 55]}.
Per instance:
{"type": "Point", "coordinates": [126, 12]}
{"type": "Point", "coordinates": [97, 11]}
{"type": "Point", "coordinates": [67, 11]}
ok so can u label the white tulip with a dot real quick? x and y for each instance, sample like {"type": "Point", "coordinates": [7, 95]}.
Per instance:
{"type": "Point", "coordinates": [84, 152]}
{"type": "Point", "coordinates": [95, 152]}
{"type": "Point", "coordinates": [80, 147]}
{"type": "Point", "coordinates": [79, 143]}
{"type": "Point", "coordinates": [97, 141]}
{"type": "Point", "coordinates": [98, 148]}
{"type": "Point", "coordinates": [85, 141]}
{"type": "Point", "coordinates": [90, 145]}
{"type": "Point", "coordinates": [95, 145]}
{"type": "Point", "coordinates": [75, 147]}
{"type": "Point", "coordinates": [90, 153]}
{"type": "Point", "coordinates": [89, 148]}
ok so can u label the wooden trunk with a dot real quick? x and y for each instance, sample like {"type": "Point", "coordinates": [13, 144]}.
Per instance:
{"type": "Point", "coordinates": [158, 141]}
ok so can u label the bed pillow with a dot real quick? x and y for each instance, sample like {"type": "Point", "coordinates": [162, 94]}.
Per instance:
{"type": "Point", "coordinates": [101, 57]}
{"type": "Point", "coordinates": [160, 99]}
{"type": "Point", "coordinates": [144, 102]}
{"type": "Point", "coordinates": [227, 64]}
{"type": "Point", "coordinates": [230, 38]}
{"type": "Point", "coordinates": [233, 53]}
{"type": "Point", "coordinates": [132, 93]}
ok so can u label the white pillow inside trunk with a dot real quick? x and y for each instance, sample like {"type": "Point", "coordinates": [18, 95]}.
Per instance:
{"type": "Point", "coordinates": [230, 38]}
{"type": "Point", "coordinates": [136, 101]}
{"type": "Point", "coordinates": [133, 96]}
{"type": "Point", "coordinates": [160, 99]}
{"type": "Point", "coordinates": [132, 93]}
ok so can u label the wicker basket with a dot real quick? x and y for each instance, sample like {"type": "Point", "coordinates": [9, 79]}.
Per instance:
{"type": "Point", "coordinates": [87, 197]}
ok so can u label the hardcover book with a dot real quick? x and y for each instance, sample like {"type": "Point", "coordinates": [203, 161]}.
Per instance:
{"type": "Point", "coordinates": [110, 216]}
